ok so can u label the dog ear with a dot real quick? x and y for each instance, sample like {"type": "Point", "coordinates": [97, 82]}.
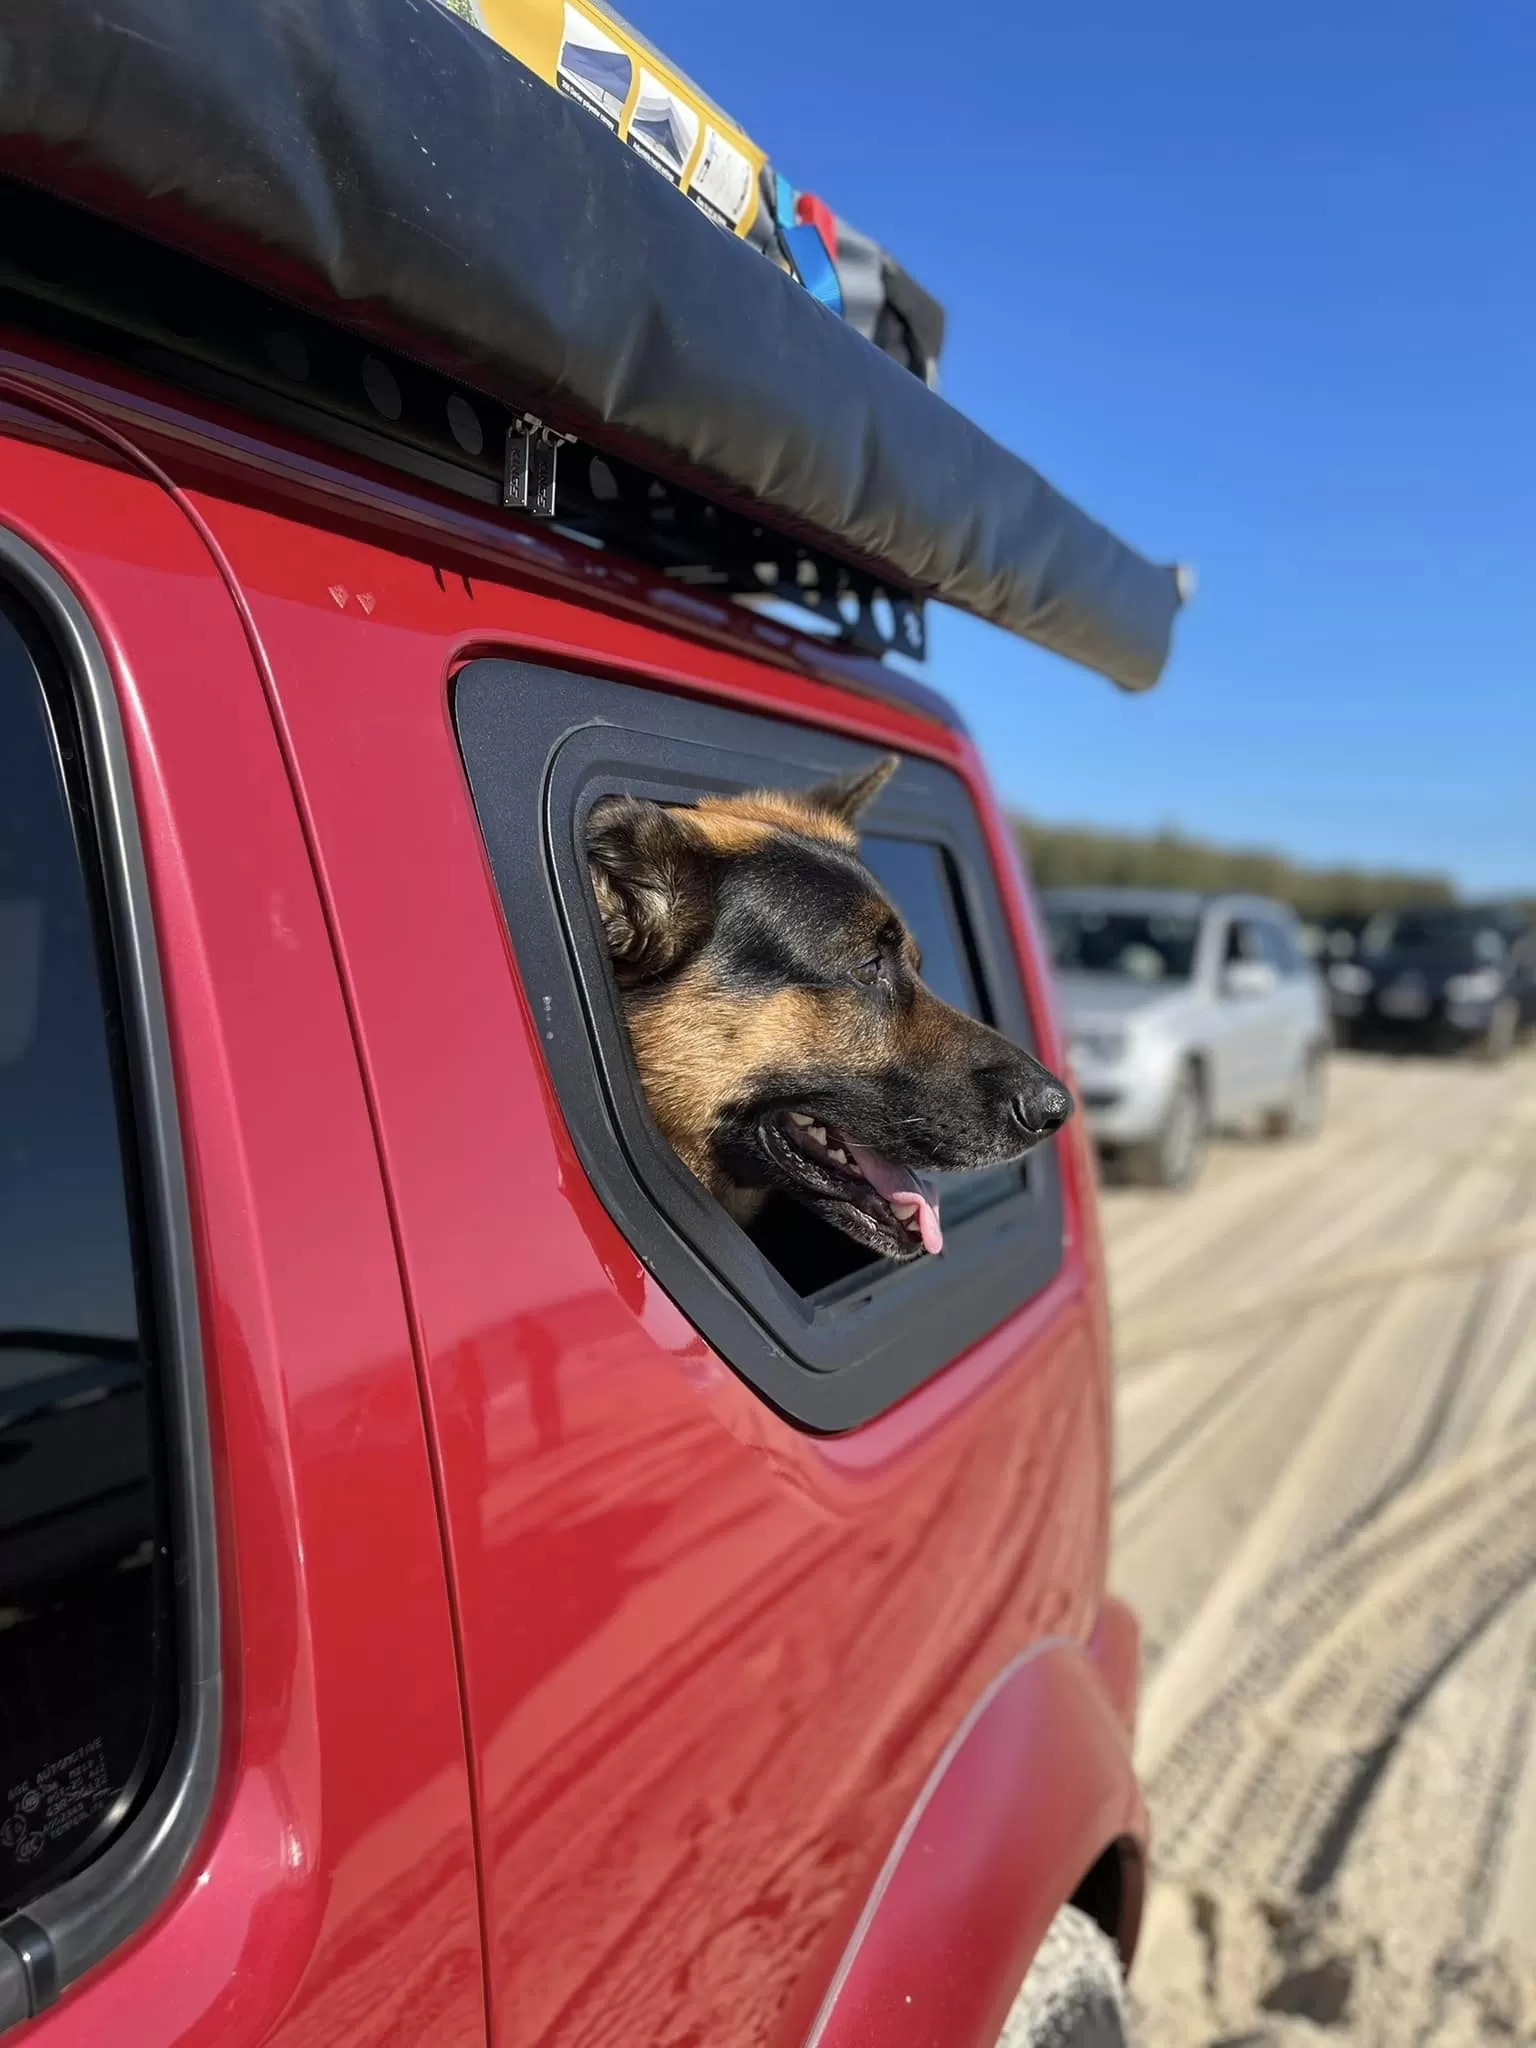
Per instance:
{"type": "Point", "coordinates": [846, 796]}
{"type": "Point", "coordinates": [651, 882]}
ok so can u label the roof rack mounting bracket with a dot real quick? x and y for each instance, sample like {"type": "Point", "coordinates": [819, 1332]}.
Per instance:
{"type": "Point", "coordinates": [529, 472]}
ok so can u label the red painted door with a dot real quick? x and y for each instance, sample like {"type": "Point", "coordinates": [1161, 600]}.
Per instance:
{"type": "Point", "coordinates": [708, 1660]}
{"type": "Point", "coordinates": [331, 1896]}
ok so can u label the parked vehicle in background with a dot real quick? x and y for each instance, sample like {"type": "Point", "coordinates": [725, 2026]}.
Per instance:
{"type": "Point", "coordinates": [1441, 978]}
{"type": "Point", "coordinates": [1518, 923]}
{"type": "Point", "coordinates": [1331, 942]}
{"type": "Point", "coordinates": [1185, 1013]}
{"type": "Point", "coordinates": [1335, 937]}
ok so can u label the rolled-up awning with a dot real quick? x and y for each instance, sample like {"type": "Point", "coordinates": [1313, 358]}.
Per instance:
{"type": "Point", "coordinates": [389, 168]}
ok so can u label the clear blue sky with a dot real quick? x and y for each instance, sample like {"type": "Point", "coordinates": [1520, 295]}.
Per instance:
{"type": "Point", "coordinates": [1255, 284]}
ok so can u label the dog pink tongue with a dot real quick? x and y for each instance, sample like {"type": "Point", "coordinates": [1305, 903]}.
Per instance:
{"type": "Point", "coordinates": [903, 1190]}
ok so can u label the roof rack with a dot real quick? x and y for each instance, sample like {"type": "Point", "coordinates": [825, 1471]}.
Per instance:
{"type": "Point", "coordinates": [85, 281]}
{"type": "Point", "coordinates": [397, 190]}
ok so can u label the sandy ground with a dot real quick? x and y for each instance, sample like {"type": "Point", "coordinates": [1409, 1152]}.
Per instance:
{"type": "Point", "coordinates": [1326, 1517]}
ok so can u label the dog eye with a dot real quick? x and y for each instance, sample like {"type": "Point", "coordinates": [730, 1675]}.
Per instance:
{"type": "Point", "coordinates": [870, 970]}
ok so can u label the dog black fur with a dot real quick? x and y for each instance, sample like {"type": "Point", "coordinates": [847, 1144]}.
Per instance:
{"type": "Point", "coordinates": [783, 1033]}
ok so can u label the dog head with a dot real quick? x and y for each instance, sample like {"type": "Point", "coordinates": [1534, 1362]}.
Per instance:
{"type": "Point", "coordinates": [783, 1033]}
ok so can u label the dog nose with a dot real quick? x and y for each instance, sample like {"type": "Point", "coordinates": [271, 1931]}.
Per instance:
{"type": "Point", "coordinates": [1042, 1107]}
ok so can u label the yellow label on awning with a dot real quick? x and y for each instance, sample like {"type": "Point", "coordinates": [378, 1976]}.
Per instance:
{"type": "Point", "coordinates": [596, 59]}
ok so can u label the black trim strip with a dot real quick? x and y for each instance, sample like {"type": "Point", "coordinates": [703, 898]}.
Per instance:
{"type": "Point", "coordinates": [31, 1947]}
{"type": "Point", "coordinates": [15, 1991]}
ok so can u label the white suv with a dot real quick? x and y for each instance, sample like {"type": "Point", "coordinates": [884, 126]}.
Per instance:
{"type": "Point", "coordinates": [1186, 1012]}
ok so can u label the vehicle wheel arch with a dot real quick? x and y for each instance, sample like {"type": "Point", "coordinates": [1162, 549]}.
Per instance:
{"type": "Point", "coordinates": [1112, 1892]}
{"type": "Point", "coordinates": [960, 1910]}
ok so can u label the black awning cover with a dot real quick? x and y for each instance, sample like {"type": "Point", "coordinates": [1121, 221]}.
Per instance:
{"type": "Point", "coordinates": [387, 166]}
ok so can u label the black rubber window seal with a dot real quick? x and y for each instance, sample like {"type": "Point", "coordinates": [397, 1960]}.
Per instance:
{"type": "Point", "coordinates": [540, 747]}
{"type": "Point", "coordinates": [72, 1927]}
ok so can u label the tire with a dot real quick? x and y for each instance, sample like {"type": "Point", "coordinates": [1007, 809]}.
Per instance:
{"type": "Point", "coordinates": [1173, 1158]}
{"type": "Point", "coordinates": [1498, 1041]}
{"type": "Point", "coordinates": [1074, 1995]}
{"type": "Point", "coordinates": [1301, 1113]}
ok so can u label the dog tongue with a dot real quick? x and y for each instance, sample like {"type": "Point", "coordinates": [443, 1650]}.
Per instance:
{"type": "Point", "coordinates": [903, 1190]}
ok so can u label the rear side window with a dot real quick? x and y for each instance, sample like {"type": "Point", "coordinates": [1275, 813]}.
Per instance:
{"type": "Point", "coordinates": [1246, 942]}
{"type": "Point", "coordinates": [87, 1676]}
{"type": "Point", "coordinates": [826, 1332]}
{"type": "Point", "coordinates": [921, 881]}
{"type": "Point", "coordinates": [916, 876]}
{"type": "Point", "coordinates": [1276, 946]}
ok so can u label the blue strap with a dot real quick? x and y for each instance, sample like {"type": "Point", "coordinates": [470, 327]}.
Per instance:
{"type": "Point", "coordinates": [813, 264]}
{"type": "Point", "coordinates": [807, 252]}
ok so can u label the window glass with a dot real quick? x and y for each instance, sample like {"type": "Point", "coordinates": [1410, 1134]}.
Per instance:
{"type": "Point", "coordinates": [913, 874]}
{"type": "Point", "coordinates": [84, 1669]}
{"type": "Point", "coordinates": [916, 876]}
{"type": "Point", "coordinates": [1457, 934]}
{"type": "Point", "coordinates": [1275, 946]}
{"type": "Point", "coordinates": [1139, 945]}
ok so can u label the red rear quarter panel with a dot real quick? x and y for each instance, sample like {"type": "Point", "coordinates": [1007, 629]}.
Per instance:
{"type": "Point", "coordinates": [710, 1660]}
{"type": "Point", "coordinates": [709, 1663]}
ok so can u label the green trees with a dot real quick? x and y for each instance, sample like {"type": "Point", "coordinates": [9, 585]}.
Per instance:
{"type": "Point", "coordinates": [1062, 855]}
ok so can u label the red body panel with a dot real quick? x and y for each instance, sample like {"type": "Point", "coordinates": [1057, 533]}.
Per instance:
{"type": "Point", "coordinates": [996, 1835]}
{"type": "Point", "coordinates": [342, 1829]}
{"type": "Point", "coordinates": [687, 1668]}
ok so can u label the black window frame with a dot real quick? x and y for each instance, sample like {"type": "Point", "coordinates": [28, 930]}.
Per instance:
{"type": "Point", "coordinates": [541, 745]}
{"type": "Point", "coordinates": [75, 1924]}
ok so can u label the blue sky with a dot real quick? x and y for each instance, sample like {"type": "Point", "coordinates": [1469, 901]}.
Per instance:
{"type": "Point", "coordinates": [1255, 285]}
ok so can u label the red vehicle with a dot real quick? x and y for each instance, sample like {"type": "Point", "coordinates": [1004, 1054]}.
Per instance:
{"type": "Point", "coordinates": [453, 1588]}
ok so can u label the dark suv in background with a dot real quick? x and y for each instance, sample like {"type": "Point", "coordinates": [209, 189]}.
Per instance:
{"type": "Point", "coordinates": [1443, 978]}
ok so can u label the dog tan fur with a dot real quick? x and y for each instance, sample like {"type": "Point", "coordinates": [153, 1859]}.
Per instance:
{"type": "Point", "coordinates": [768, 985]}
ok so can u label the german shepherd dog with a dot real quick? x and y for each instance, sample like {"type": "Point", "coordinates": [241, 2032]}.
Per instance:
{"type": "Point", "coordinates": [783, 1034]}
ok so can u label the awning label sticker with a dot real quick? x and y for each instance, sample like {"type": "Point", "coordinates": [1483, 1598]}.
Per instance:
{"type": "Point", "coordinates": [663, 127]}
{"type": "Point", "coordinates": [593, 68]}
{"type": "Point", "coordinates": [721, 185]}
